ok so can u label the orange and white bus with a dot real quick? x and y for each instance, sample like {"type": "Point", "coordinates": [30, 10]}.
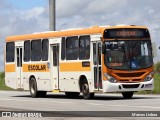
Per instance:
{"type": "Point", "coordinates": [91, 60]}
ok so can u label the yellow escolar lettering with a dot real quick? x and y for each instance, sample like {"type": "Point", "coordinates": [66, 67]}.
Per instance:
{"type": "Point", "coordinates": [36, 67]}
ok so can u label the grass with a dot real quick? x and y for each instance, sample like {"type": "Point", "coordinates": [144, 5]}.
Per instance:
{"type": "Point", "coordinates": [155, 91]}
{"type": "Point", "coordinates": [156, 84]}
{"type": "Point", "coordinates": [2, 82]}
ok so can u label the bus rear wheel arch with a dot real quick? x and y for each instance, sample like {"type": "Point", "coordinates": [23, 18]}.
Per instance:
{"type": "Point", "coordinates": [33, 89]}
{"type": "Point", "coordinates": [84, 88]}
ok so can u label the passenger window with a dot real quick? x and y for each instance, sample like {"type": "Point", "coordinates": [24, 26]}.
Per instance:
{"type": "Point", "coordinates": [63, 48]}
{"type": "Point", "coordinates": [84, 47]}
{"type": "Point", "coordinates": [10, 52]}
{"type": "Point", "coordinates": [72, 48]}
{"type": "Point", "coordinates": [27, 51]}
{"type": "Point", "coordinates": [44, 50]}
{"type": "Point", "coordinates": [36, 50]}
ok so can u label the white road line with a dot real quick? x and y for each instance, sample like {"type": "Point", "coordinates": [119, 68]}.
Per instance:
{"type": "Point", "coordinates": [151, 107]}
{"type": "Point", "coordinates": [65, 102]}
{"type": "Point", "coordinates": [94, 104]}
{"type": "Point", "coordinates": [135, 106]}
{"type": "Point", "coordinates": [36, 101]}
{"type": "Point", "coordinates": [16, 100]}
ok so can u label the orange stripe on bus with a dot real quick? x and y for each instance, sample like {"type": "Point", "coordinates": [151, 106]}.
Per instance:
{"type": "Point", "coordinates": [71, 67]}
{"type": "Point", "coordinates": [10, 68]}
{"type": "Point", "coordinates": [35, 68]}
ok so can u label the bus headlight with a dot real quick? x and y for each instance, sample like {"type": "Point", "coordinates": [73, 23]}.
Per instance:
{"type": "Point", "coordinates": [110, 78]}
{"type": "Point", "coordinates": [149, 76]}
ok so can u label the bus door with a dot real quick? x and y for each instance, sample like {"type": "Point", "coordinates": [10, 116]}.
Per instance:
{"type": "Point", "coordinates": [19, 67]}
{"type": "Point", "coordinates": [97, 66]}
{"type": "Point", "coordinates": [55, 66]}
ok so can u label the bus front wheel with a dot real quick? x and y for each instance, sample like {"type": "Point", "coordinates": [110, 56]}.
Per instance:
{"type": "Point", "coordinates": [127, 95]}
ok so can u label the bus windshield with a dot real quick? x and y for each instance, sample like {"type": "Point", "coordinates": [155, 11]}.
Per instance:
{"type": "Point", "coordinates": [128, 54]}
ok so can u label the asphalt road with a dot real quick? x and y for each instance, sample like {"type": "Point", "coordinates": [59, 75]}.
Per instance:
{"type": "Point", "coordinates": [22, 101]}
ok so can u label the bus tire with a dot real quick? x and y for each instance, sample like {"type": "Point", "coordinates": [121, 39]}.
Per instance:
{"type": "Point", "coordinates": [127, 95]}
{"type": "Point", "coordinates": [33, 89]}
{"type": "Point", "coordinates": [85, 91]}
{"type": "Point", "coordinates": [72, 94]}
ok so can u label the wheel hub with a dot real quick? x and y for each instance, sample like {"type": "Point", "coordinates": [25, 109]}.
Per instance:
{"type": "Point", "coordinates": [85, 88]}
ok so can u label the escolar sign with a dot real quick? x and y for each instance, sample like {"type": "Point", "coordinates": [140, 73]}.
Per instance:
{"type": "Point", "coordinates": [36, 67]}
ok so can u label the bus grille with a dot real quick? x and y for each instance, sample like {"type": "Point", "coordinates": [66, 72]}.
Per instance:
{"type": "Point", "coordinates": [130, 86]}
{"type": "Point", "coordinates": [138, 74]}
{"type": "Point", "coordinates": [130, 77]}
{"type": "Point", "coordinates": [128, 80]}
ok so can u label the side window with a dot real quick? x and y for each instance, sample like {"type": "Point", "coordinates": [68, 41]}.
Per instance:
{"type": "Point", "coordinates": [72, 48]}
{"type": "Point", "coordinates": [27, 51]}
{"type": "Point", "coordinates": [44, 49]}
{"type": "Point", "coordinates": [10, 52]}
{"type": "Point", "coordinates": [63, 48]}
{"type": "Point", "coordinates": [99, 52]}
{"type": "Point", "coordinates": [84, 47]}
{"type": "Point", "coordinates": [36, 50]}
{"type": "Point", "coordinates": [94, 54]}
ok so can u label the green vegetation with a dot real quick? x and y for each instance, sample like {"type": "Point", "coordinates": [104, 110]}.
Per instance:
{"type": "Point", "coordinates": [2, 82]}
{"type": "Point", "coordinates": [157, 78]}
{"type": "Point", "coordinates": [156, 83]}
{"type": "Point", "coordinates": [157, 67]}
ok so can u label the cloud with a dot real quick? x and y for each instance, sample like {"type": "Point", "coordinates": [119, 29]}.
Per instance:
{"type": "Point", "coordinates": [14, 22]}
{"type": "Point", "coordinates": [110, 12]}
{"type": "Point", "coordinates": [98, 12]}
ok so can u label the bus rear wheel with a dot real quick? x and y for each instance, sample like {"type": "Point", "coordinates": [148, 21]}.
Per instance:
{"type": "Point", "coordinates": [85, 91]}
{"type": "Point", "coordinates": [33, 89]}
{"type": "Point", "coordinates": [127, 95]}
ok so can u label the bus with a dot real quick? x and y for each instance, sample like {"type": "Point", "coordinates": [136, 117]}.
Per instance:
{"type": "Point", "coordinates": [99, 59]}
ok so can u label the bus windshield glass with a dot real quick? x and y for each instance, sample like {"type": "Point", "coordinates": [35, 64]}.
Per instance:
{"type": "Point", "coordinates": [128, 54]}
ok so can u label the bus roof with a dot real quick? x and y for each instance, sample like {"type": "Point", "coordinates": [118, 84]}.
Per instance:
{"type": "Point", "coordinates": [67, 32]}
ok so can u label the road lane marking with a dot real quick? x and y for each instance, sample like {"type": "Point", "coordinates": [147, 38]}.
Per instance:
{"type": "Point", "coordinates": [36, 101]}
{"type": "Point", "coordinates": [150, 107]}
{"type": "Point", "coordinates": [94, 104]}
{"type": "Point", "coordinates": [65, 102]}
{"type": "Point", "coordinates": [135, 106]}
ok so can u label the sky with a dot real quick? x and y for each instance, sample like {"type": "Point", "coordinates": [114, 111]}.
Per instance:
{"type": "Point", "coordinates": [29, 16]}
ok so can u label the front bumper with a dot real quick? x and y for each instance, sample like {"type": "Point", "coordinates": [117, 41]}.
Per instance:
{"type": "Point", "coordinates": [124, 87]}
